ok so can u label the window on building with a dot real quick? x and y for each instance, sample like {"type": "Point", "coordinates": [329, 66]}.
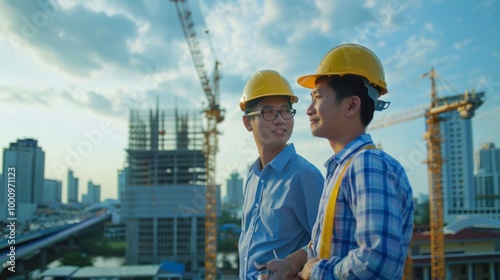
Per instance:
{"type": "Point", "coordinates": [184, 237]}
{"type": "Point", "coordinates": [415, 250]}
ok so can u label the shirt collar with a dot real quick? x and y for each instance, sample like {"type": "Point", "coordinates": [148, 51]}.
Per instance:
{"type": "Point", "coordinates": [279, 161]}
{"type": "Point", "coordinates": [353, 146]}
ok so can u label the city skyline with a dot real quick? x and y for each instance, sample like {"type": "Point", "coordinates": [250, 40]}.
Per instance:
{"type": "Point", "coordinates": [74, 69]}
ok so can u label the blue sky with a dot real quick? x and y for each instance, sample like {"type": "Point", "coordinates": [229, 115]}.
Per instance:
{"type": "Point", "coordinates": [69, 68]}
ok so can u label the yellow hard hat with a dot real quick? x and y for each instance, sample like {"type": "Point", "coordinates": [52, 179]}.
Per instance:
{"type": "Point", "coordinates": [349, 59]}
{"type": "Point", "coordinates": [266, 83]}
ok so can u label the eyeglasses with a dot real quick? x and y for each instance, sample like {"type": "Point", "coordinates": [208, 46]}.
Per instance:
{"type": "Point", "coordinates": [271, 114]}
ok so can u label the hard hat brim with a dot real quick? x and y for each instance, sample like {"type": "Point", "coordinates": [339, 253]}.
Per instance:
{"type": "Point", "coordinates": [309, 81]}
{"type": "Point", "coordinates": [293, 98]}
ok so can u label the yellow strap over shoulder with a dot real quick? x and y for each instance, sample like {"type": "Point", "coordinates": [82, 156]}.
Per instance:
{"type": "Point", "coordinates": [327, 231]}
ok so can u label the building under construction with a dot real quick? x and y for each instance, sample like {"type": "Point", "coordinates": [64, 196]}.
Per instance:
{"type": "Point", "coordinates": [163, 200]}
{"type": "Point", "coordinates": [165, 148]}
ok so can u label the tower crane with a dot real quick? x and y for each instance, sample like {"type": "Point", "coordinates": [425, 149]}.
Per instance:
{"type": "Point", "coordinates": [466, 107]}
{"type": "Point", "coordinates": [214, 115]}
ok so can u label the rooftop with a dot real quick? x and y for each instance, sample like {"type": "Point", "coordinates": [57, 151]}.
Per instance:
{"type": "Point", "coordinates": [122, 271]}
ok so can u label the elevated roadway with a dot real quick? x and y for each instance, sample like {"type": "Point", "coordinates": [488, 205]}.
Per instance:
{"type": "Point", "coordinates": [24, 247]}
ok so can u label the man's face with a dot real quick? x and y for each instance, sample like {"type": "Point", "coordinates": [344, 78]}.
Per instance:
{"type": "Point", "coordinates": [270, 133]}
{"type": "Point", "coordinates": [325, 113]}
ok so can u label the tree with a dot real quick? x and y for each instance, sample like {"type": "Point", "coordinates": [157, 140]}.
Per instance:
{"type": "Point", "coordinates": [77, 259]}
{"type": "Point", "coordinates": [422, 214]}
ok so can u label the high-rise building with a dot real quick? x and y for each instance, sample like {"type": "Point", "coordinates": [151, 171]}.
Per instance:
{"type": "Point", "coordinates": [163, 201]}
{"type": "Point", "coordinates": [122, 181]}
{"type": "Point", "coordinates": [52, 192]}
{"type": "Point", "coordinates": [458, 180]}
{"type": "Point", "coordinates": [85, 199]}
{"type": "Point", "coordinates": [487, 175]}
{"type": "Point", "coordinates": [234, 189]}
{"type": "Point", "coordinates": [72, 187]}
{"type": "Point", "coordinates": [24, 162]}
{"type": "Point", "coordinates": [93, 193]}
{"type": "Point", "coordinates": [29, 162]}
{"type": "Point", "coordinates": [2, 188]}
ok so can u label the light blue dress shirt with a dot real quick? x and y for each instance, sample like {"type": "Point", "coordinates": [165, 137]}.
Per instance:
{"type": "Point", "coordinates": [280, 205]}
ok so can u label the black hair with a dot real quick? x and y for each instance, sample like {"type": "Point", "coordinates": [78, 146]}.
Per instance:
{"type": "Point", "coordinates": [250, 106]}
{"type": "Point", "coordinates": [350, 85]}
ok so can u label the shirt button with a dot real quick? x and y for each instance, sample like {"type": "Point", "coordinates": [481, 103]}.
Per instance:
{"type": "Point", "coordinates": [262, 181]}
{"type": "Point", "coordinates": [256, 205]}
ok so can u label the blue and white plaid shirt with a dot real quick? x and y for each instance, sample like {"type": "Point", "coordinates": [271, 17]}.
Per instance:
{"type": "Point", "coordinates": [373, 219]}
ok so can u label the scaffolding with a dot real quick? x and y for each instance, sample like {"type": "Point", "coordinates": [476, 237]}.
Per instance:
{"type": "Point", "coordinates": [165, 148]}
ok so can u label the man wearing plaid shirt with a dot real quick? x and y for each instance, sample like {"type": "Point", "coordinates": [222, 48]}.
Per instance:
{"type": "Point", "coordinates": [365, 218]}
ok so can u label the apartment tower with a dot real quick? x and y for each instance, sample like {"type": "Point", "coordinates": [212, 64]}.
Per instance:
{"type": "Point", "coordinates": [487, 175]}
{"type": "Point", "coordinates": [459, 196]}
{"type": "Point", "coordinates": [25, 161]}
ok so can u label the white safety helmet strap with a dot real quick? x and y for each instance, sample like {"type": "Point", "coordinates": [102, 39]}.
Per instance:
{"type": "Point", "coordinates": [380, 105]}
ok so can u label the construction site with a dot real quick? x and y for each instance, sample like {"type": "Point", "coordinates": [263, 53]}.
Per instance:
{"type": "Point", "coordinates": [193, 162]}
{"type": "Point", "coordinates": [75, 62]}
{"type": "Point", "coordinates": [175, 150]}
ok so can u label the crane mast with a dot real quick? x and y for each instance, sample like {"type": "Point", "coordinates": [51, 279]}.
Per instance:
{"type": "Point", "coordinates": [466, 108]}
{"type": "Point", "coordinates": [213, 115]}
{"type": "Point", "coordinates": [434, 167]}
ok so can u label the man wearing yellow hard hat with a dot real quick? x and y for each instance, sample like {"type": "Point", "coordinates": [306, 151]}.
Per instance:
{"type": "Point", "coordinates": [365, 217]}
{"type": "Point", "coordinates": [282, 190]}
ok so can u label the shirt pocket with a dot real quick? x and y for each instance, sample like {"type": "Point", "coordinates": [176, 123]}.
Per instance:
{"type": "Point", "coordinates": [270, 222]}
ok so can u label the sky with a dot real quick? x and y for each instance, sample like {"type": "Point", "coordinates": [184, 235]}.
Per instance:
{"type": "Point", "coordinates": [71, 70]}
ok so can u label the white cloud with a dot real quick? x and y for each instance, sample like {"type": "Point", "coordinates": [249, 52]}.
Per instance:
{"type": "Point", "coordinates": [461, 45]}
{"type": "Point", "coordinates": [83, 39]}
{"type": "Point", "coordinates": [251, 36]}
{"type": "Point", "coordinates": [415, 51]}
{"type": "Point", "coordinates": [429, 27]}
{"type": "Point", "coordinates": [486, 4]}
{"type": "Point", "coordinates": [16, 95]}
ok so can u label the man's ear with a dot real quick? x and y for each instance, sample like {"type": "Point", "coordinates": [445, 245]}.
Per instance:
{"type": "Point", "coordinates": [353, 105]}
{"type": "Point", "coordinates": [246, 123]}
